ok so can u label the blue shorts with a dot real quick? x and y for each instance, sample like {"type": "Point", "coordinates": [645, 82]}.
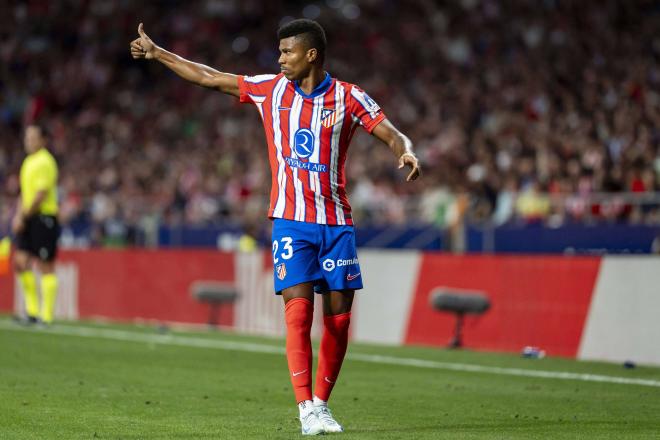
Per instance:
{"type": "Point", "coordinates": [325, 254]}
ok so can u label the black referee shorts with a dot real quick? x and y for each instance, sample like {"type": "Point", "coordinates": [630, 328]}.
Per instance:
{"type": "Point", "coordinates": [39, 237]}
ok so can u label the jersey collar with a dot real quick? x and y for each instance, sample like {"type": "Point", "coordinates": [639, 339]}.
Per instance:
{"type": "Point", "coordinates": [318, 90]}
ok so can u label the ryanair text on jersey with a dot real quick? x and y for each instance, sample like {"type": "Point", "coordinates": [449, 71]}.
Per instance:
{"type": "Point", "coordinates": [309, 166]}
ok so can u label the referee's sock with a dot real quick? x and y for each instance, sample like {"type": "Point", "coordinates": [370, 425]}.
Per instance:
{"type": "Point", "coordinates": [29, 286]}
{"type": "Point", "coordinates": [49, 294]}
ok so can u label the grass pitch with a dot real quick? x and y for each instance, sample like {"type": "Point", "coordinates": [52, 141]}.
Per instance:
{"type": "Point", "coordinates": [92, 381]}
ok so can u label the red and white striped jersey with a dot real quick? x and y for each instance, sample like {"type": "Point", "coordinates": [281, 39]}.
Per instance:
{"type": "Point", "coordinates": [308, 137]}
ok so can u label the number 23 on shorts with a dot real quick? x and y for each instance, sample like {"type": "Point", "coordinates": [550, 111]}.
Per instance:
{"type": "Point", "coordinates": [287, 249]}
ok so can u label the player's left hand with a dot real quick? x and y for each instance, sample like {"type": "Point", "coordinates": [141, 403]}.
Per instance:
{"type": "Point", "coordinates": [410, 160]}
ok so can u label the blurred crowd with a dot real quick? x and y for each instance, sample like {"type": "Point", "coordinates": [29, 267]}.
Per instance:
{"type": "Point", "coordinates": [521, 111]}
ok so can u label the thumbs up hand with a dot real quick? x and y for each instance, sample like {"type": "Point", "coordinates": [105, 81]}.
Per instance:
{"type": "Point", "coordinates": [143, 47]}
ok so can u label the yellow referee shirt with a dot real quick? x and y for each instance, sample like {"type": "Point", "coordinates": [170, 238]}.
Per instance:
{"type": "Point", "coordinates": [39, 172]}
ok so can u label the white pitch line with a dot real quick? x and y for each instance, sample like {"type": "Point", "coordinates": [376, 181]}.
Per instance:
{"type": "Point", "coordinates": [191, 341]}
{"type": "Point", "coordinates": [421, 363]}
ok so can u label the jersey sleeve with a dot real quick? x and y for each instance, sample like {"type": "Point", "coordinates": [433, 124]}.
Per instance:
{"type": "Point", "coordinates": [365, 109]}
{"type": "Point", "coordinates": [254, 86]}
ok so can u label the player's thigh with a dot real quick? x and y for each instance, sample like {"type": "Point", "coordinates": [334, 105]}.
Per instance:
{"type": "Point", "coordinates": [337, 302]}
{"type": "Point", "coordinates": [45, 231]}
{"type": "Point", "coordinates": [295, 250]}
{"type": "Point", "coordinates": [22, 239]}
{"type": "Point", "coordinates": [302, 290]}
{"type": "Point", "coordinates": [23, 251]}
{"type": "Point", "coordinates": [339, 260]}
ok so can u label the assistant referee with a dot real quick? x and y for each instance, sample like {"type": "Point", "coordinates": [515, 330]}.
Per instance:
{"type": "Point", "coordinates": [35, 226]}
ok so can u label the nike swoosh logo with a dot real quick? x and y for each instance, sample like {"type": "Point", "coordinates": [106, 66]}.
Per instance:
{"type": "Point", "coordinates": [350, 277]}
{"type": "Point", "coordinates": [284, 108]}
{"type": "Point", "coordinates": [298, 373]}
{"type": "Point", "coordinates": [328, 380]}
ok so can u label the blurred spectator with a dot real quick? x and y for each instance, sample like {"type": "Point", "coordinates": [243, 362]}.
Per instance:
{"type": "Point", "coordinates": [496, 95]}
{"type": "Point", "coordinates": [533, 206]}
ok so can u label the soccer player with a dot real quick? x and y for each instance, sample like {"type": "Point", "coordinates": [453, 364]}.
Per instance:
{"type": "Point", "coordinates": [35, 226]}
{"type": "Point", "coordinates": [309, 119]}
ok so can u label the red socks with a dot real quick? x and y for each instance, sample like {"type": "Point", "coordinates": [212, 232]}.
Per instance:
{"type": "Point", "coordinates": [298, 313]}
{"type": "Point", "coordinates": [331, 353]}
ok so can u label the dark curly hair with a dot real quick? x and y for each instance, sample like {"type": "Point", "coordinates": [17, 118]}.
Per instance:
{"type": "Point", "coordinates": [309, 31]}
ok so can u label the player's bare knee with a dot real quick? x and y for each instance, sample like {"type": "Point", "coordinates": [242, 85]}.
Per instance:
{"type": "Point", "coordinates": [303, 290]}
{"type": "Point", "coordinates": [338, 302]}
{"type": "Point", "coordinates": [46, 267]}
{"type": "Point", "coordinates": [21, 262]}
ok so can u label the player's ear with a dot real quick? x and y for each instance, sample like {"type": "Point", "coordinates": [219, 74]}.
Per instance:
{"type": "Point", "coordinates": [312, 55]}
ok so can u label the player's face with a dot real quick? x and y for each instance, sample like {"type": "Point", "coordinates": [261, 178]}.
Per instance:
{"type": "Point", "coordinates": [34, 139]}
{"type": "Point", "coordinates": [294, 59]}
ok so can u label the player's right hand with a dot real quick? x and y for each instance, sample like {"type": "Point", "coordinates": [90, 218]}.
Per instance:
{"type": "Point", "coordinates": [18, 223]}
{"type": "Point", "coordinates": [143, 47]}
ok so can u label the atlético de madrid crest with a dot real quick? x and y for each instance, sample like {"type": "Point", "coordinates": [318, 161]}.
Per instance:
{"type": "Point", "coordinates": [281, 271]}
{"type": "Point", "coordinates": [328, 117]}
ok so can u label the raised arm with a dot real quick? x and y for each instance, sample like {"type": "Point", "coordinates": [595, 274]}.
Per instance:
{"type": "Point", "coordinates": [400, 145]}
{"type": "Point", "coordinates": [200, 74]}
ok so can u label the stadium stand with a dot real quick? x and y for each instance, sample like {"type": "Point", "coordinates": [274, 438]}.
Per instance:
{"type": "Point", "coordinates": [530, 112]}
